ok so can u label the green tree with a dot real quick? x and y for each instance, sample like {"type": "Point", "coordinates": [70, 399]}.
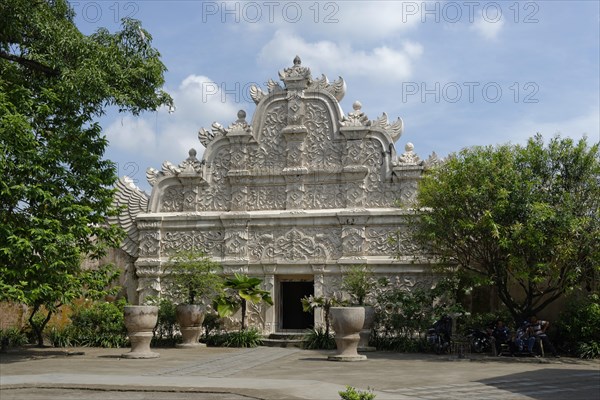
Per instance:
{"type": "Point", "coordinates": [243, 289]}
{"type": "Point", "coordinates": [56, 188]}
{"type": "Point", "coordinates": [192, 277]}
{"type": "Point", "coordinates": [524, 219]}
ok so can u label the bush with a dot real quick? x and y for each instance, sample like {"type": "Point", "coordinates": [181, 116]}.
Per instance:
{"type": "Point", "coordinates": [352, 394]}
{"type": "Point", "coordinates": [96, 324]}
{"type": "Point", "coordinates": [399, 343]}
{"type": "Point", "coordinates": [12, 337]}
{"type": "Point", "coordinates": [244, 338]}
{"type": "Point", "coordinates": [316, 339]}
{"type": "Point", "coordinates": [578, 331]}
{"type": "Point", "coordinates": [165, 332]}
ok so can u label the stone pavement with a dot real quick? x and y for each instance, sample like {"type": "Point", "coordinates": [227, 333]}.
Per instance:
{"type": "Point", "coordinates": [284, 373]}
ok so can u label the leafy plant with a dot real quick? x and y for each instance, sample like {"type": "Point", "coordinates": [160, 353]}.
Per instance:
{"type": "Point", "coordinates": [578, 325]}
{"type": "Point", "coordinates": [212, 322]}
{"type": "Point", "coordinates": [589, 349]}
{"type": "Point", "coordinates": [352, 394]}
{"type": "Point", "coordinates": [359, 282]}
{"type": "Point", "coordinates": [165, 331]}
{"type": "Point", "coordinates": [242, 289]}
{"type": "Point", "coordinates": [243, 338]}
{"type": "Point", "coordinates": [311, 302]}
{"type": "Point", "coordinates": [12, 337]}
{"type": "Point", "coordinates": [319, 339]}
{"type": "Point", "coordinates": [98, 324]}
{"type": "Point", "coordinates": [191, 277]}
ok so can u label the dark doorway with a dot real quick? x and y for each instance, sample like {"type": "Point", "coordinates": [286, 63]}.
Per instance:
{"type": "Point", "coordinates": [291, 307]}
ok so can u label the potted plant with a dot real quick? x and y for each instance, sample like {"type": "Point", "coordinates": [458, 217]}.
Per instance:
{"type": "Point", "coordinates": [359, 282]}
{"type": "Point", "coordinates": [317, 338]}
{"type": "Point", "coordinates": [192, 279]}
{"type": "Point", "coordinates": [140, 321]}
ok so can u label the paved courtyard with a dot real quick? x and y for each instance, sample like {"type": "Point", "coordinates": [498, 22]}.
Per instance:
{"type": "Point", "coordinates": [277, 373]}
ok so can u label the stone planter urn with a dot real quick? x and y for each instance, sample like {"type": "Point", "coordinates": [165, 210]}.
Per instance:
{"type": "Point", "coordinates": [190, 318]}
{"type": "Point", "coordinates": [140, 321]}
{"type": "Point", "coordinates": [365, 332]}
{"type": "Point", "coordinates": [347, 323]}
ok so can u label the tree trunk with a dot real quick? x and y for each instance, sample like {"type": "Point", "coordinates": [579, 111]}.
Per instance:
{"type": "Point", "coordinates": [39, 329]}
{"type": "Point", "coordinates": [243, 314]}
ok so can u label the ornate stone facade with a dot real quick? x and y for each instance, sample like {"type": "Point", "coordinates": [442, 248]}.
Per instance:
{"type": "Point", "coordinates": [299, 193]}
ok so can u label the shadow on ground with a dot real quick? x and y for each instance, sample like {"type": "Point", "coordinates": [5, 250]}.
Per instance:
{"type": "Point", "coordinates": [540, 384]}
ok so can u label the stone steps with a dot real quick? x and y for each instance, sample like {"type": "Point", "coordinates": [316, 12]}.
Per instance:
{"type": "Point", "coordinates": [284, 339]}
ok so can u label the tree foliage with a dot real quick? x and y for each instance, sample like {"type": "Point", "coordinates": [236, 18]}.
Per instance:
{"type": "Point", "coordinates": [192, 277]}
{"type": "Point", "coordinates": [524, 219]}
{"type": "Point", "coordinates": [56, 188]}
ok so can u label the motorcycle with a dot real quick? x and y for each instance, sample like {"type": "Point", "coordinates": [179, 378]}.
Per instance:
{"type": "Point", "coordinates": [481, 341]}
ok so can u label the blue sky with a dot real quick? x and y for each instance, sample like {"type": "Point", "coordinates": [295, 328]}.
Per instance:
{"type": "Point", "coordinates": [459, 73]}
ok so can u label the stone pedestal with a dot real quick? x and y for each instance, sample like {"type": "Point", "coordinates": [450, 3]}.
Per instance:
{"type": "Point", "coordinates": [190, 318]}
{"type": "Point", "coordinates": [347, 323]}
{"type": "Point", "coordinates": [365, 332]}
{"type": "Point", "coordinates": [140, 321]}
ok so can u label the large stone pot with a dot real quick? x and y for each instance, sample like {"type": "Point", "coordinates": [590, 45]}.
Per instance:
{"type": "Point", "coordinates": [140, 321]}
{"type": "Point", "coordinates": [347, 323]}
{"type": "Point", "coordinates": [365, 332]}
{"type": "Point", "coordinates": [190, 318]}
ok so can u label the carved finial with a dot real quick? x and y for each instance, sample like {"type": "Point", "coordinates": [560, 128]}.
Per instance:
{"type": "Point", "coordinates": [409, 156]}
{"type": "Point", "coordinates": [296, 77]}
{"type": "Point", "coordinates": [241, 115]}
{"type": "Point", "coordinates": [356, 117]}
{"type": "Point", "coordinates": [191, 164]}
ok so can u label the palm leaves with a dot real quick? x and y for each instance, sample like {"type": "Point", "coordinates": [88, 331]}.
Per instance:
{"type": "Point", "coordinates": [241, 290]}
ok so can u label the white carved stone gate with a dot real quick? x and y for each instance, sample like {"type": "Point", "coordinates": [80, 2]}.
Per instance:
{"type": "Point", "coordinates": [303, 190]}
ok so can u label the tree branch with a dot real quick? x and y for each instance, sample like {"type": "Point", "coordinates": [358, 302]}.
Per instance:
{"type": "Point", "coordinates": [31, 64]}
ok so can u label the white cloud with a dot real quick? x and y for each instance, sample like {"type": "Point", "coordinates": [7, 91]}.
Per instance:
{"type": "Point", "coordinates": [325, 56]}
{"type": "Point", "coordinates": [162, 136]}
{"type": "Point", "coordinates": [347, 20]}
{"type": "Point", "coordinates": [489, 29]}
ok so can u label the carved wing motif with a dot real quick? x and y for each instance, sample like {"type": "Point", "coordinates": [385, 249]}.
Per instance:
{"type": "Point", "coordinates": [338, 89]}
{"type": "Point", "coordinates": [205, 137]}
{"type": "Point", "coordinates": [381, 122]}
{"type": "Point", "coordinates": [395, 129]}
{"type": "Point", "coordinates": [151, 175]}
{"type": "Point", "coordinates": [132, 202]}
{"type": "Point", "coordinates": [256, 93]}
{"type": "Point", "coordinates": [273, 86]}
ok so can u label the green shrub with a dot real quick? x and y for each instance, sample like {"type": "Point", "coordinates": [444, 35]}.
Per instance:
{"type": "Point", "coordinates": [12, 337]}
{"type": "Point", "coordinates": [399, 343]}
{"type": "Point", "coordinates": [589, 350]}
{"type": "Point", "coordinates": [578, 329]}
{"type": "Point", "coordinates": [317, 339]}
{"type": "Point", "coordinates": [165, 333]}
{"type": "Point", "coordinates": [97, 324]}
{"type": "Point", "coordinates": [244, 338]}
{"type": "Point", "coordinates": [352, 394]}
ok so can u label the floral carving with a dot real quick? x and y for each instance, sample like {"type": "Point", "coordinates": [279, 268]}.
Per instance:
{"type": "Point", "coordinates": [172, 199]}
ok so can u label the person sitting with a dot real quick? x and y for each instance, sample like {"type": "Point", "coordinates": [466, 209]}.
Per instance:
{"type": "Point", "coordinates": [537, 329]}
{"type": "Point", "coordinates": [523, 341]}
{"type": "Point", "coordinates": [501, 335]}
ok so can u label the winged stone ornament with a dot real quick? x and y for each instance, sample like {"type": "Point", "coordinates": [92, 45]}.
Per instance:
{"type": "Point", "coordinates": [131, 201]}
{"type": "Point", "coordinates": [394, 130]}
{"type": "Point", "coordinates": [205, 137]}
{"type": "Point", "coordinates": [273, 86]}
{"type": "Point", "coordinates": [257, 94]}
